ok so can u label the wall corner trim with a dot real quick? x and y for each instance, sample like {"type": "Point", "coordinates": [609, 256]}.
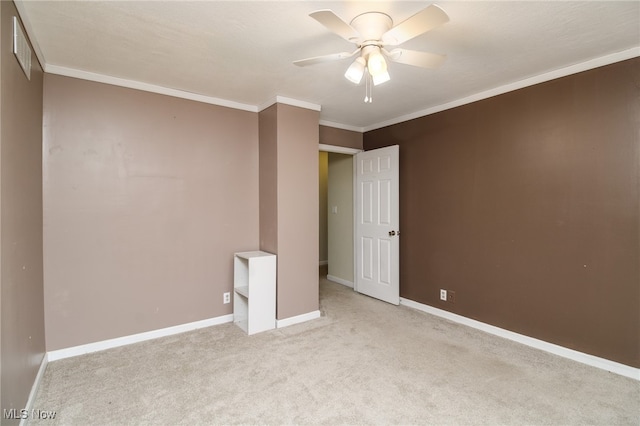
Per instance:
{"type": "Point", "coordinates": [340, 281]}
{"type": "Point", "coordinates": [297, 319]}
{"type": "Point", "coordinates": [591, 360]}
{"type": "Point", "coordinates": [338, 149]}
{"type": "Point", "coordinates": [136, 338]}
{"type": "Point", "coordinates": [289, 101]}
{"type": "Point", "coordinates": [35, 387]}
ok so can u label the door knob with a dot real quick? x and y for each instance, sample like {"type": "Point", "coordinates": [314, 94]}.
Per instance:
{"type": "Point", "coordinates": [392, 233]}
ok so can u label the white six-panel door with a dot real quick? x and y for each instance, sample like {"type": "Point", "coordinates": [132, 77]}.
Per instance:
{"type": "Point", "coordinates": [377, 224]}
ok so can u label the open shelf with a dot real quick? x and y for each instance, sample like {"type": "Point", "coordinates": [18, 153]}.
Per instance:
{"type": "Point", "coordinates": [254, 284]}
{"type": "Point", "coordinates": [242, 291]}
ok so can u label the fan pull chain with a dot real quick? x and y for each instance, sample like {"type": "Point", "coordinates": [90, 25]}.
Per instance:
{"type": "Point", "coordinates": [368, 87]}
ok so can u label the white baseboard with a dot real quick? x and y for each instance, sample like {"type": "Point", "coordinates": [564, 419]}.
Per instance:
{"type": "Point", "coordinates": [594, 361]}
{"type": "Point", "coordinates": [135, 338]}
{"type": "Point", "coordinates": [34, 387]}
{"type": "Point", "coordinates": [297, 319]}
{"type": "Point", "coordinates": [340, 281]}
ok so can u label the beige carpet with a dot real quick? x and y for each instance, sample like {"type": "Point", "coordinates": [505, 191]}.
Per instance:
{"type": "Point", "coordinates": [363, 362]}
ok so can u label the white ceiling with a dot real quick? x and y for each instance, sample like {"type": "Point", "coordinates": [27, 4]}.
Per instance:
{"type": "Point", "coordinates": [241, 51]}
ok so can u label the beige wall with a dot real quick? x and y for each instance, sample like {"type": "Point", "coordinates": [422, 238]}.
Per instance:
{"type": "Point", "coordinates": [323, 170]}
{"type": "Point", "coordinates": [340, 224]}
{"type": "Point", "coordinates": [289, 135]}
{"type": "Point", "coordinates": [146, 198]}
{"type": "Point", "coordinates": [21, 284]}
{"type": "Point", "coordinates": [297, 211]}
{"type": "Point", "coordinates": [268, 121]}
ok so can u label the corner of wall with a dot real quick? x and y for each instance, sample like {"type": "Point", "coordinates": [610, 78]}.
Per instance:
{"type": "Point", "coordinates": [21, 280]}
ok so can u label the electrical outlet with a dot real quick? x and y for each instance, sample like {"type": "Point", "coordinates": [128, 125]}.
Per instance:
{"type": "Point", "coordinates": [451, 296]}
{"type": "Point", "coordinates": [226, 298]}
{"type": "Point", "coordinates": [443, 295]}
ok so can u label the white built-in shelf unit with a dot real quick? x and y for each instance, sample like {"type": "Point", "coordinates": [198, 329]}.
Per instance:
{"type": "Point", "coordinates": [254, 284]}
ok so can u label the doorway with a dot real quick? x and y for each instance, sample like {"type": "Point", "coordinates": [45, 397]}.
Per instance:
{"type": "Point", "coordinates": [337, 213]}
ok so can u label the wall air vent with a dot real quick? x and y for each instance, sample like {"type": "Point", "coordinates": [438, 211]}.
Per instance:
{"type": "Point", "coordinates": [21, 48]}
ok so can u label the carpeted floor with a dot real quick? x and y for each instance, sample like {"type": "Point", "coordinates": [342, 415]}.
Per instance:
{"type": "Point", "coordinates": [362, 362]}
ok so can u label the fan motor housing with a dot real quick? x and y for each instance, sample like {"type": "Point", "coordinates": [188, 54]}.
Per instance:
{"type": "Point", "coordinates": [371, 26]}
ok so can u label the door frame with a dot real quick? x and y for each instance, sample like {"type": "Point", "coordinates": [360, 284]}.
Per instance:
{"type": "Point", "coordinates": [349, 151]}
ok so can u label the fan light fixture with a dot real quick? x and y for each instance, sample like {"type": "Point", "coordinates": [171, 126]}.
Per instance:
{"type": "Point", "coordinates": [372, 33]}
{"type": "Point", "coordinates": [356, 70]}
{"type": "Point", "coordinates": [376, 63]}
{"type": "Point", "coordinates": [381, 78]}
{"type": "Point", "coordinates": [372, 61]}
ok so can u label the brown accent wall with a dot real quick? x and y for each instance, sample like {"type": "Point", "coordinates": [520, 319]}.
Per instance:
{"type": "Point", "coordinates": [289, 208]}
{"type": "Point", "coordinates": [146, 198]}
{"type": "Point", "coordinates": [340, 137]}
{"type": "Point", "coordinates": [527, 206]}
{"type": "Point", "coordinates": [22, 344]}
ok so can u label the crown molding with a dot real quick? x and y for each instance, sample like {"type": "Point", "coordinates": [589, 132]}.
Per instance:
{"type": "Point", "coordinates": [540, 78]}
{"type": "Point", "coordinates": [138, 85]}
{"type": "Point", "coordinates": [29, 30]}
{"type": "Point", "coordinates": [288, 101]}
{"type": "Point", "coordinates": [341, 126]}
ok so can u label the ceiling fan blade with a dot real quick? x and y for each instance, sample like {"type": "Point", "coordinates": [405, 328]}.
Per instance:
{"type": "Point", "coordinates": [416, 58]}
{"type": "Point", "coordinates": [336, 25]}
{"type": "Point", "coordinates": [423, 21]}
{"type": "Point", "coordinates": [325, 58]}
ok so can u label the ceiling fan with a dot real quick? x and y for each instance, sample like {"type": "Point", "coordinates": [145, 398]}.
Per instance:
{"type": "Point", "coordinates": [372, 32]}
